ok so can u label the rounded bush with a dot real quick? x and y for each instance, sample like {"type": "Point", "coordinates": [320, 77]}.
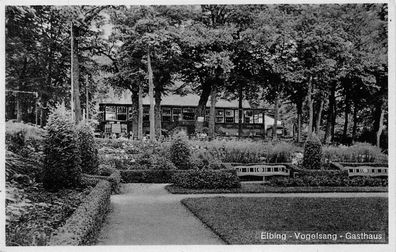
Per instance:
{"type": "Point", "coordinates": [312, 153]}
{"type": "Point", "coordinates": [61, 152]}
{"type": "Point", "coordinates": [88, 150]}
{"type": "Point", "coordinates": [180, 152]}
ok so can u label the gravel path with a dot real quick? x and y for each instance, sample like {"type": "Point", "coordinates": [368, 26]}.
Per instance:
{"type": "Point", "coordinates": [147, 214]}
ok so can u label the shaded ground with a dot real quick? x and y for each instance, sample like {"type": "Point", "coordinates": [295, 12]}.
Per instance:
{"type": "Point", "coordinates": [146, 214]}
{"type": "Point", "coordinates": [242, 220]}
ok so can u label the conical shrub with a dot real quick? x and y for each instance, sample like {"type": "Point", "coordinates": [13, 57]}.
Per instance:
{"type": "Point", "coordinates": [61, 152]}
{"type": "Point", "coordinates": [180, 153]}
{"type": "Point", "coordinates": [88, 150]}
{"type": "Point", "coordinates": [312, 153]}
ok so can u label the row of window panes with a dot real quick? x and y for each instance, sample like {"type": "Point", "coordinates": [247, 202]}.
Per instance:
{"type": "Point", "coordinates": [187, 114]}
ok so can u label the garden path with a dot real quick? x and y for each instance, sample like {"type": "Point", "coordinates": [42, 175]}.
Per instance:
{"type": "Point", "coordinates": [147, 214]}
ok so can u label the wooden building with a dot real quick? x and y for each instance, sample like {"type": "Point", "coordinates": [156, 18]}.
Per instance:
{"type": "Point", "coordinates": [178, 113]}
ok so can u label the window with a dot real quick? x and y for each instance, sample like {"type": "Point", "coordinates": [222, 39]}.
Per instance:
{"type": "Point", "coordinates": [176, 112]}
{"type": "Point", "coordinates": [219, 115]}
{"type": "Point", "coordinates": [166, 115]}
{"type": "Point", "coordinates": [188, 114]}
{"type": "Point", "coordinates": [248, 116]}
{"type": "Point", "coordinates": [351, 170]}
{"type": "Point", "coordinates": [251, 170]}
{"type": "Point", "coordinates": [257, 116]}
{"type": "Point", "coordinates": [122, 113]}
{"type": "Point", "coordinates": [229, 116]}
{"type": "Point", "coordinates": [110, 113]}
{"type": "Point", "coordinates": [243, 169]}
{"type": "Point", "coordinates": [276, 169]}
{"type": "Point", "coordinates": [268, 169]}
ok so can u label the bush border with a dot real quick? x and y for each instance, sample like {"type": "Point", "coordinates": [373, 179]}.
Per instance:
{"type": "Point", "coordinates": [83, 226]}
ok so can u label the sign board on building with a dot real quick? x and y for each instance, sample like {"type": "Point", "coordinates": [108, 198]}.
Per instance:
{"type": "Point", "coordinates": [200, 119]}
{"type": "Point", "coordinates": [116, 128]}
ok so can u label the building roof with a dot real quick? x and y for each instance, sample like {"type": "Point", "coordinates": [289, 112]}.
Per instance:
{"type": "Point", "coordinates": [177, 100]}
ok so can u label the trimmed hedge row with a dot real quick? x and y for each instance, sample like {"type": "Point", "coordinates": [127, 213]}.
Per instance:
{"type": "Point", "coordinates": [207, 179]}
{"type": "Point", "coordinates": [160, 176]}
{"type": "Point", "coordinates": [148, 176]}
{"type": "Point", "coordinates": [82, 227]}
{"type": "Point", "coordinates": [326, 181]}
{"type": "Point", "coordinates": [84, 224]}
{"type": "Point", "coordinates": [364, 164]}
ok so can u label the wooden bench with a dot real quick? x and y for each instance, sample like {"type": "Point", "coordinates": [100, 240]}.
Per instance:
{"type": "Point", "coordinates": [262, 170]}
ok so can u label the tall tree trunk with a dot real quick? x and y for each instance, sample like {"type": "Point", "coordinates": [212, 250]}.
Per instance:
{"type": "Point", "coordinates": [346, 115]}
{"type": "Point", "coordinates": [240, 110]}
{"type": "Point", "coordinates": [151, 96]}
{"type": "Point", "coordinates": [319, 117]}
{"type": "Point", "coordinates": [19, 106]}
{"type": "Point", "coordinates": [157, 109]}
{"type": "Point", "coordinates": [354, 128]}
{"type": "Point", "coordinates": [75, 75]}
{"type": "Point", "coordinates": [299, 114]}
{"type": "Point", "coordinates": [140, 113]}
{"type": "Point", "coordinates": [310, 106]}
{"type": "Point", "coordinates": [200, 111]}
{"type": "Point", "coordinates": [135, 112]}
{"type": "Point", "coordinates": [276, 115]}
{"type": "Point", "coordinates": [380, 127]}
{"type": "Point", "coordinates": [330, 116]}
{"type": "Point", "coordinates": [212, 111]}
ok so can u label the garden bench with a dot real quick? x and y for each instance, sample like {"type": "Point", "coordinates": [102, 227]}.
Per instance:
{"type": "Point", "coordinates": [262, 170]}
{"type": "Point", "coordinates": [367, 171]}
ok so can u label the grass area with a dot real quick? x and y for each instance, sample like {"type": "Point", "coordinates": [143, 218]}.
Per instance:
{"type": "Point", "coordinates": [241, 220]}
{"type": "Point", "coordinates": [261, 188]}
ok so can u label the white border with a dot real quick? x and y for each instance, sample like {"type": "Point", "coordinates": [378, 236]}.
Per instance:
{"type": "Point", "coordinates": [306, 248]}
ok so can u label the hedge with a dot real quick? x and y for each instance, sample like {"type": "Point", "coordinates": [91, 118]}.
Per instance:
{"type": "Point", "coordinates": [363, 164]}
{"type": "Point", "coordinates": [84, 224]}
{"type": "Point", "coordinates": [207, 179]}
{"type": "Point", "coordinates": [148, 176]}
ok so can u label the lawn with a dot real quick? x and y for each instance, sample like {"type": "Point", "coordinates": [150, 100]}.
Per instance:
{"type": "Point", "coordinates": [242, 220]}
{"type": "Point", "coordinates": [261, 188]}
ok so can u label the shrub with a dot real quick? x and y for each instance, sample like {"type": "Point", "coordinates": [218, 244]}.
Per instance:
{"type": "Point", "coordinates": [281, 153]}
{"type": "Point", "coordinates": [180, 152]}
{"type": "Point", "coordinates": [105, 170]}
{"type": "Point", "coordinates": [82, 227]}
{"type": "Point", "coordinates": [148, 176]}
{"type": "Point", "coordinates": [203, 159]}
{"type": "Point", "coordinates": [62, 158]}
{"type": "Point", "coordinates": [359, 153]}
{"type": "Point", "coordinates": [24, 139]}
{"type": "Point", "coordinates": [88, 150]}
{"type": "Point", "coordinates": [207, 179]}
{"type": "Point", "coordinates": [312, 153]}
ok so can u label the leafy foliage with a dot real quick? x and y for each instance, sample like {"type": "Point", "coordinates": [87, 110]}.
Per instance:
{"type": "Point", "coordinates": [62, 162]}
{"type": "Point", "coordinates": [206, 179]}
{"type": "Point", "coordinates": [312, 153]}
{"type": "Point", "coordinates": [180, 152]}
{"type": "Point", "coordinates": [88, 150]}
